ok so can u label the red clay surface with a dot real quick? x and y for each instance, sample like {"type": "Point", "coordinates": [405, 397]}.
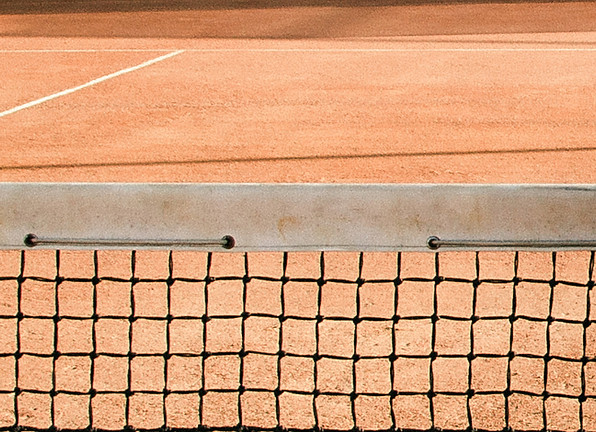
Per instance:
{"type": "Point", "coordinates": [372, 106]}
{"type": "Point", "coordinates": [453, 93]}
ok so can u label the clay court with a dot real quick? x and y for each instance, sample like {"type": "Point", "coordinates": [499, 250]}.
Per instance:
{"type": "Point", "coordinates": [372, 92]}
{"type": "Point", "coordinates": [469, 93]}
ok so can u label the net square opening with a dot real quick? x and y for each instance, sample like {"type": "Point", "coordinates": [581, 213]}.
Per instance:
{"type": "Point", "coordinates": [189, 264]}
{"type": "Point", "coordinates": [113, 299]}
{"type": "Point", "coordinates": [454, 299]}
{"type": "Point", "coordinates": [379, 266]}
{"type": "Point", "coordinates": [187, 299]}
{"type": "Point", "coordinates": [186, 336]}
{"type": "Point", "coordinates": [494, 300]}
{"type": "Point", "coordinates": [109, 411]}
{"type": "Point", "coordinates": [297, 374]}
{"type": "Point", "coordinates": [412, 412]}
{"type": "Point", "coordinates": [535, 265]}
{"type": "Point", "coordinates": [185, 373]}
{"type": "Point", "coordinates": [8, 298]}
{"type": "Point", "coordinates": [492, 336]}
{"type": "Point", "coordinates": [304, 265]}
{"type": "Point", "coordinates": [77, 264]}
{"type": "Point", "coordinates": [7, 373]}
{"type": "Point", "coordinates": [418, 265]}
{"type": "Point", "coordinates": [35, 410]}
{"type": "Point", "coordinates": [152, 264]}
{"type": "Point", "coordinates": [40, 263]}
{"type": "Point", "coordinates": [220, 409]}
{"type": "Point", "coordinates": [38, 299]}
{"type": "Point", "coordinates": [262, 334]}
{"type": "Point", "coordinates": [300, 299]}
{"type": "Point", "coordinates": [260, 372]}
{"type": "Point", "coordinates": [36, 336]}
{"type": "Point", "coordinates": [573, 266]}
{"type": "Point", "coordinates": [411, 374]}
{"type": "Point", "coordinates": [562, 414]}
{"type": "Point", "coordinates": [460, 265]}
{"type": "Point", "coordinates": [296, 411]}
{"type": "Point", "coordinates": [334, 412]}
{"type": "Point", "coordinates": [222, 372]}
{"type": "Point", "coordinates": [148, 337]}
{"type": "Point", "coordinates": [374, 338]}
{"type": "Point", "coordinates": [496, 265]}
{"type": "Point", "coordinates": [110, 373]}
{"type": "Point", "coordinates": [373, 376]}
{"type": "Point", "coordinates": [566, 340]}
{"type": "Point", "coordinates": [73, 374]}
{"type": "Point", "coordinates": [335, 376]}
{"type": "Point", "coordinates": [225, 264]}
{"type": "Point", "coordinates": [590, 372]}
{"type": "Point", "coordinates": [450, 412]}
{"type": "Point", "coordinates": [529, 337]}
{"type": "Point", "coordinates": [150, 299]}
{"type": "Point", "coordinates": [452, 337]}
{"type": "Point", "coordinates": [182, 410]}
{"type": "Point", "coordinates": [416, 299]}
{"type": "Point", "coordinates": [532, 300]}
{"type": "Point", "coordinates": [147, 374]}
{"type": "Point", "coordinates": [75, 299]}
{"type": "Point", "coordinates": [564, 377]}
{"type": "Point", "coordinates": [527, 374]}
{"type": "Point", "coordinates": [75, 336]}
{"type": "Point", "coordinates": [224, 335]}
{"type": "Point", "coordinates": [377, 300]}
{"type": "Point", "coordinates": [8, 336]}
{"type": "Point", "coordinates": [338, 300]}
{"type": "Point", "coordinates": [263, 297]}
{"type": "Point", "coordinates": [112, 336]}
{"type": "Point", "coordinates": [373, 412]}
{"type": "Point", "coordinates": [342, 265]}
{"type": "Point", "coordinates": [145, 411]}
{"type": "Point", "coordinates": [488, 412]}
{"type": "Point", "coordinates": [337, 338]}
{"type": "Point", "coordinates": [7, 414]}
{"type": "Point", "coordinates": [71, 411]}
{"type": "Point", "coordinates": [570, 302]}
{"type": "Point", "coordinates": [258, 409]}
{"type": "Point", "coordinates": [298, 336]}
{"type": "Point", "coordinates": [489, 374]}
{"type": "Point", "coordinates": [35, 373]}
{"type": "Point", "coordinates": [225, 298]}
{"type": "Point", "coordinates": [266, 264]}
{"type": "Point", "coordinates": [114, 264]}
{"type": "Point", "coordinates": [413, 337]}
{"type": "Point", "coordinates": [450, 374]}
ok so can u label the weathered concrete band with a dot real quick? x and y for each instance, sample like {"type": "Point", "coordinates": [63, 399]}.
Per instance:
{"type": "Point", "coordinates": [297, 217]}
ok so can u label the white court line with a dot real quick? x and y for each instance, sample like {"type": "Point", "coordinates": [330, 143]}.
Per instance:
{"type": "Point", "coordinates": [310, 50]}
{"type": "Point", "coordinates": [88, 84]}
{"type": "Point", "coordinates": [388, 50]}
{"type": "Point", "coordinates": [66, 51]}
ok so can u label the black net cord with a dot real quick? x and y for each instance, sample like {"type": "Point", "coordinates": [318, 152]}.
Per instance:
{"type": "Point", "coordinates": [511, 336]}
{"type": "Point", "coordinates": [582, 420]}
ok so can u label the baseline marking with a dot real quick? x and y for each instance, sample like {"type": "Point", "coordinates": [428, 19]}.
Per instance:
{"type": "Point", "coordinates": [90, 83]}
{"type": "Point", "coordinates": [388, 50]}
{"type": "Point", "coordinates": [307, 50]}
{"type": "Point", "coordinates": [82, 50]}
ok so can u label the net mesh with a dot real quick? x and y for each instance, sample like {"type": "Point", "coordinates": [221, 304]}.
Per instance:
{"type": "Point", "coordinates": [115, 340]}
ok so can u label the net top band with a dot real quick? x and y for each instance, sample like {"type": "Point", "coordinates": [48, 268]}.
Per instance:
{"type": "Point", "coordinates": [297, 217]}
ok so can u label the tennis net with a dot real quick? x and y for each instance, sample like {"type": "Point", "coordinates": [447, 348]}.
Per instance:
{"type": "Point", "coordinates": [148, 340]}
{"type": "Point", "coordinates": [118, 338]}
